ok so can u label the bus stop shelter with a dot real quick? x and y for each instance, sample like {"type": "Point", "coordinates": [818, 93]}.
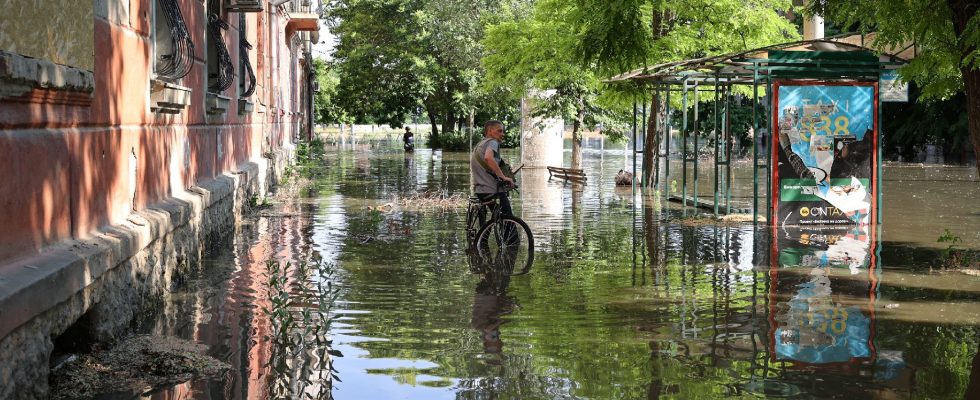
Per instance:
{"type": "Point", "coordinates": [815, 137]}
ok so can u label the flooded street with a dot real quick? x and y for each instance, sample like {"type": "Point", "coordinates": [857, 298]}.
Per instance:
{"type": "Point", "coordinates": [626, 298]}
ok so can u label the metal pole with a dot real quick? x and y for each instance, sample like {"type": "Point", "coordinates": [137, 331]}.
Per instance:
{"type": "Point", "coordinates": [643, 134]}
{"type": "Point", "coordinates": [697, 132]}
{"type": "Point", "coordinates": [717, 139]}
{"type": "Point", "coordinates": [684, 149]}
{"type": "Point", "coordinates": [659, 135]}
{"type": "Point", "coordinates": [755, 143]}
{"type": "Point", "coordinates": [633, 182]}
{"type": "Point", "coordinates": [769, 148]}
{"type": "Point", "coordinates": [877, 178]}
{"type": "Point", "coordinates": [728, 149]}
{"type": "Point", "coordinates": [667, 140]}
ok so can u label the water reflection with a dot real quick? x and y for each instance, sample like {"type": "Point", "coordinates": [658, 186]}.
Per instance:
{"type": "Point", "coordinates": [825, 286]}
{"type": "Point", "coordinates": [626, 299]}
{"type": "Point", "coordinates": [490, 304]}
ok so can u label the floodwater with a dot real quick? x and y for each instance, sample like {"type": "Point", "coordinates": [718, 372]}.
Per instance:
{"type": "Point", "coordinates": [627, 299]}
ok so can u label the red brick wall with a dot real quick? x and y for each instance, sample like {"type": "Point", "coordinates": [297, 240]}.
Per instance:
{"type": "Point", "coordinates": [66, 167]}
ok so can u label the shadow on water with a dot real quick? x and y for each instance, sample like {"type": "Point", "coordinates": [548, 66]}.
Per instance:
{"type": "Point", "coordinates": [625, 300]}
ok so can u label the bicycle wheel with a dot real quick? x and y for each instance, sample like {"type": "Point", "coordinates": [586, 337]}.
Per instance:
{"type": "Point", "coordinates": [507, 244]}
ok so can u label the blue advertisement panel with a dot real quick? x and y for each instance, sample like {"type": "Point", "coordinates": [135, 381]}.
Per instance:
{"type": "Point", "coordinates": [823, 291]}
{"type": "Point", "coordinates": [824, 152]}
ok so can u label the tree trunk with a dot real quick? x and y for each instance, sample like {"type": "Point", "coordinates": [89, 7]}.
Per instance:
{"type": "Point", "coordinates": [963, 12]}
{"type": "Point", "coordinates": [971, 79]}
{"type": "Point", "coordinates": [651, 144]}
{"type": "Point", "coordinates": [577, 133]}
{"type": "Point", "coordinates": [449, 124]}
{"type": "Point", "coordinates": [434, 135]}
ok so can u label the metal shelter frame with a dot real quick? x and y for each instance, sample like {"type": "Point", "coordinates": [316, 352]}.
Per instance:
{"type": "Point", "coordinates": [842, 59]}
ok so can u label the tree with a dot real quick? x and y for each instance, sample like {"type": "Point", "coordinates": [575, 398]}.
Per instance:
{"type": "Point", "coordinates": [377, 58]}
{"type": "Point", "coordinates": [945, 34]}
{"type": "Point", "coordinates": [537, 52]}
{"type": "Point", "coordinates": [326, 107]}
{"type": "Point", "coordinates": [395, 56]}
{"type": "Point", "coordinates": [616, 36]}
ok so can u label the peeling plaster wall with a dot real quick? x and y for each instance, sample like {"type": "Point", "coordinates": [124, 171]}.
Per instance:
{"type": "Point", "coordinates": [55, 30]}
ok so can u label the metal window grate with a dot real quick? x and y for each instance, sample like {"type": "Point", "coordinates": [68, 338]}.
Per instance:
{"type": "Point", "coordinates": [225, 74]}
{"type": "Point", "coordinates": [177, 64]}
{"type": "Point", "coordinates": [248, 75]}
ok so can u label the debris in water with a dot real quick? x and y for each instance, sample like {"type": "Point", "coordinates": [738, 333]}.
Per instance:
{"type": "Point", "coordinates": [137, 364]}
{"type": "Point", "coordinates": [436, 200]}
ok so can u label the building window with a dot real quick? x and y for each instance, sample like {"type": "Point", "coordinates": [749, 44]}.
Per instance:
{"type": "Point", "coordinates": [246, 76]}
{"type": "Point", "coordinates": [172, 43]}
{"type": "Point", "coordinates": [221, 71]}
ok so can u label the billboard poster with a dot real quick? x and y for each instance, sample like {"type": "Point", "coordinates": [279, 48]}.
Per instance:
{"type": "Point", "coordinates": [824, 150]}
{"type": "Point", "coordinates": [823, 290]}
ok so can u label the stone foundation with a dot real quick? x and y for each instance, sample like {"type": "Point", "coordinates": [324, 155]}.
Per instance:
{"type": "Point", "coordinates": [104, 282]}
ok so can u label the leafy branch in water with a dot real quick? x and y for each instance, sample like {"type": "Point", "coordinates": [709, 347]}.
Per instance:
{"type": "Point", "coordinates": [953, 256]}
{"type": "Point", "coordinates": [301, 297]}
{"type": "Point", "coordinates": [309, 152]}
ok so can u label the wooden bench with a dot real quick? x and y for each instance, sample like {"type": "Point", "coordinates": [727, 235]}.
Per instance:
{"type": "Point", "coordinates": [568, 174]}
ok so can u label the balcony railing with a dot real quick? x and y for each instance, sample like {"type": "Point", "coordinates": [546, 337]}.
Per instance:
{"type": "Point", "coordinates": [299, 6]}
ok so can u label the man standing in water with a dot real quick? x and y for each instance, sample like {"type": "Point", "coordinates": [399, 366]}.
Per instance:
{"type": "Point", "coordinates": [485, 170]}
{"type": "Point", "coordinates": [408, 139]}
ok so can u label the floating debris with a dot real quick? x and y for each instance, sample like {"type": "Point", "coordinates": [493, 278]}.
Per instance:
{"type": "Point", "coordinates": [434, 200]}
{"type": "Point", "coordinates": [137, 364]}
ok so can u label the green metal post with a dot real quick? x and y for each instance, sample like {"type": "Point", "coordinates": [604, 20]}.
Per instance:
{"type": "Point", "coordinates": [633, 185]}
{"type": "Point", "coordinates": [717, 122]}
{"type": "Point", "coordinates": [658, 133]}
{"type": "Point", "coordinates": [728, 149]}
{"type": "Point", "coordinates": [755, 143]}
{"type": "Point", "coordinates": [643, 134]}
{"type": "Point", "coordinates": [667, 140]}
{"type": "Point", "coordinates": [878, 180]}
{"type": "Point", "coordinates": [769, 148]}
{"type": "Point", "coordinates": [684, 149]}
{"type": "Point", "coordinates": [697, 128]}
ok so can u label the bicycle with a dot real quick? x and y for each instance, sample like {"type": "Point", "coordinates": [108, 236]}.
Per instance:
{"type": "Point", "coordinates": [504, 241]}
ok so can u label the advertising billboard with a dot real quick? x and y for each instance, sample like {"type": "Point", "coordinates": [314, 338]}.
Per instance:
{"type": "Point", "coordinates": [824, 149]}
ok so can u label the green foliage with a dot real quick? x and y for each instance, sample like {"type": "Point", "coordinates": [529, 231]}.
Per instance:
{"type": "Point", "coordinates": [327, 107]}
{"type": "Point", "coordinates": [952, 256]}
{"type": "Point", "coordinates": [395, 58]}
{"type": "Point", "coordinates": [929, 24]}
{"type": "Point", "coordinates": [615, 35]}
{"type": "Point", "coordinates": [740, 115]}
{"type": "Point", "coordinates": [910, 125]}
{"type": "Point", "coordinates": [460, 140]}
{"type": "Point", "coordinates": [311, 151]}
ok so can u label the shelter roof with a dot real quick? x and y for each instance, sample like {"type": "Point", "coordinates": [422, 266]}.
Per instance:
{"type": "Point", "coordinates": [833, 56]}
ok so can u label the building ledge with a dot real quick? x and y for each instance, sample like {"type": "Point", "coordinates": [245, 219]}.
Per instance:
{"type": "Point", "coordinates": [245, 106]}
{"type": "Point", "coordinates": [217, 104]}
{"type": "Point", "coordinates": [33, 80]}
{"type": "Point", "coordinates": [302, 22]}
{"type": "Point", "coordinates": [168, 98]}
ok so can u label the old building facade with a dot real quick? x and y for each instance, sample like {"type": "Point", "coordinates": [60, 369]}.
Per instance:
{"type": "Point", "coordinates": [131, 131]}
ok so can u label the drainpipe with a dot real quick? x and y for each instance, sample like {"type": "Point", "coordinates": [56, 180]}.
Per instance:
{"type": "Point", "coordinates": [813, 27]}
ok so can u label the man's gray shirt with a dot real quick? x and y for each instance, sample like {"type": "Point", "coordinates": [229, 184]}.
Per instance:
{"type": "Point", "coordinates": [484, 181]}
